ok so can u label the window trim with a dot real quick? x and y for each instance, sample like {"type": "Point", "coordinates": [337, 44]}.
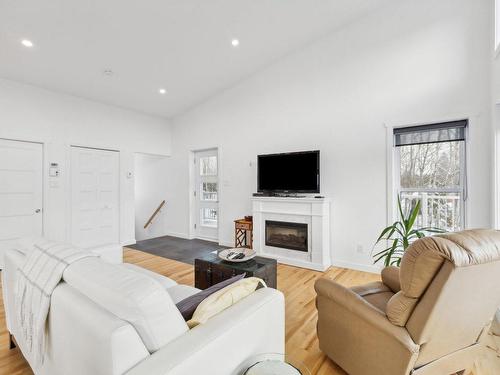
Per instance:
{"type": "Point", "coordinates": [392, 163]}
{"type": "Point", "coordinates": [496, 23]}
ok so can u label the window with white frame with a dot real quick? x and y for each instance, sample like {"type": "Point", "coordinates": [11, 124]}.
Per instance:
{"type": "Point", "coordinates": [431, 168]}
{"type": "Point", "coordinates": [497, 24]}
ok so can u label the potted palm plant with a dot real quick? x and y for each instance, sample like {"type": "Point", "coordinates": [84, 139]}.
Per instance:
{"type": "Point", "coordinates": [400, 235]}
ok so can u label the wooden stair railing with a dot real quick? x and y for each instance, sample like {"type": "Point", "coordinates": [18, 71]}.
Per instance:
{"type": "Point", "coordinates": [154, 214]}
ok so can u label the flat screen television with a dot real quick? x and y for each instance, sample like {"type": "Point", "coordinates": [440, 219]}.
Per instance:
{"type": "Point", "coordinates": [294, 172]}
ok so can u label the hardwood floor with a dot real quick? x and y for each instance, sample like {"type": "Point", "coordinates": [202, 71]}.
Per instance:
{"type": "Point", "coordinates": [296, 283]}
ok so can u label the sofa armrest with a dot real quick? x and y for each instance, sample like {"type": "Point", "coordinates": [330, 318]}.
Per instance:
{"type": "Point", "coordinates": [358, 306]}
{"type": "Point", "coordinates": [390, 277]}
{"type": "Point", "coordinates": [222, 345]}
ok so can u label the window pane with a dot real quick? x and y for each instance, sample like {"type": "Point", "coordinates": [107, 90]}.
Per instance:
{"type": "Point", "coordinates": [209, 191]}
{"type": "Point", "coordinates": [209, 217]}
{"type": "Point", "coordinates": [435, 165]}
{"type": "Point", "coordinates": [208, 166]}
{"type": "Point", "coordinates": [438, 209]}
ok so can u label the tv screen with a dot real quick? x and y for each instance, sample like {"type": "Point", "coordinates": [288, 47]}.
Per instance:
{"type": "Point", "coordinates": [296, 172]}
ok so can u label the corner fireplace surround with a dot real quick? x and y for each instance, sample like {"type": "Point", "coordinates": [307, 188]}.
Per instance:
{"type": "Point", "coordinates": [286, 235]}
{"type": "Point", "coordinates": [301, 216]}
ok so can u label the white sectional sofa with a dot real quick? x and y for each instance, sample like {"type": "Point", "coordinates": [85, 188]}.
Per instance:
{"type": "Point", "coordinates": [114, 319]}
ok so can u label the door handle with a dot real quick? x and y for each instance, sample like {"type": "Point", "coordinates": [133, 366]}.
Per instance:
{"type": "Point", "coordinates": [38, 210]}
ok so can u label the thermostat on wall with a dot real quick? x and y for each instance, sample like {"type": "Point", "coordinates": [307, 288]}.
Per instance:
{"type": "Point", "coordinates": [54, 170]}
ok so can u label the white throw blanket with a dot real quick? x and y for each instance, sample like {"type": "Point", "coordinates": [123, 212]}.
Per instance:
{"type": "Point", "coordinates": [36, 281]}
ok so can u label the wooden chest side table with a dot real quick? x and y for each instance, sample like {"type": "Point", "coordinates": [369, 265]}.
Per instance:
{"type": "Point", "coordinates": [243, 233]}
{"type": "Point", "coordinates": [211, 270]}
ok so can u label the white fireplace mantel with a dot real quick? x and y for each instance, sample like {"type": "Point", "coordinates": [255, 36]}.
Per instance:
{"type": "Point", "coordinates": [315, 212]}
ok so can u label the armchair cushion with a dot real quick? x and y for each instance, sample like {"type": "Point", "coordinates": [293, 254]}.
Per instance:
{"type": "Point", "coordinates": [390, 277]}
{"type": "Point", "coordinates": [376, 293]}
{"type": "Point", "coordinates": [425, 257]}
{"type": "Point", "coordinates": [399, 308]}
{"type": "Point", "coordinates": [419, 266]}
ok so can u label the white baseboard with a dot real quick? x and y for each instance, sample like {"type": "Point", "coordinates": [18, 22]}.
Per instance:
{"type": "Point", "coordinates": [297, 262]}
{"type": "Point", "coordinates": [207, 239]}
{"type": "Point", "coordinates": [372, 268]}
{"type": "Point", "coordinates": [179, 235]}
{"type": "Point", "coordinates": [129, 242]}
{"type": "Point", "coordinates": [190, 237]}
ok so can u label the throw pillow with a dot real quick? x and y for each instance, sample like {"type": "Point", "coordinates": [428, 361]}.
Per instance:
{"type": "Point", "coordinates": [188, 305]}
{"type": "Point", "coordinates": [223, 299]}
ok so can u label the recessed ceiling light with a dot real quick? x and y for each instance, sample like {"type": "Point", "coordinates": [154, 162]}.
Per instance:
{"type": "Point", "coordinates": [27, 43]}
{"type": "Point", "coordinates": [235, 42]}
{"type": "Point", "coordinates": [162, 91]}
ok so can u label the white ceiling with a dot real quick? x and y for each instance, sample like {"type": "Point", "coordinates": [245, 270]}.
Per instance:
{"type": "Point", "coordinates": [181, 45]}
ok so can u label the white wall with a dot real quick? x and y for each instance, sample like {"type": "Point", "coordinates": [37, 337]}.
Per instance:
{"type": "Point", "coordinates": [59, 121]}
{"type": "Point", "coordinates": [151, 176]}
{"type": "Point", "coordinates": [413, 62]}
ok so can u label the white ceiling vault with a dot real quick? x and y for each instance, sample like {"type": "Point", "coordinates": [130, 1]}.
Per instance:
{"type": "Point", "coordinates": [183, 46]}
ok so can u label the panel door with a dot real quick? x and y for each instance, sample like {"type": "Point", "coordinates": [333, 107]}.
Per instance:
{"type": "Point", "coordinates": [21, 192]}
{"type": "Point", "coordinates": [94, 197]}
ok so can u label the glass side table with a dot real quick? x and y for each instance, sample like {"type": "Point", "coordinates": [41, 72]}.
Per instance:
{"type": "Point", "coordinates": [275, 364]}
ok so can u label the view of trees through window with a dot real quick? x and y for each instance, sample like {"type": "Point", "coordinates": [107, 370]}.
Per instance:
{"type": "Point", "coordinates": [432, 173]}
{"type": "Point", "coordinates": [208, 166]}
{"type": "Point", "coordinates": [209, 191]}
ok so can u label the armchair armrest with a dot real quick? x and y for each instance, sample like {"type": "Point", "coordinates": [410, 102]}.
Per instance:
{"type": "Point", "coordinates": [253, 326]}
{"type": "Point", "coordinates": [390, 277]}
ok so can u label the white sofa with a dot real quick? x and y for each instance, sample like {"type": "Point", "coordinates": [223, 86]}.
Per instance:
{"type": "Point", "coordinates": [109, 319]}
{"type": "Point", "coordinates": [112, 253]}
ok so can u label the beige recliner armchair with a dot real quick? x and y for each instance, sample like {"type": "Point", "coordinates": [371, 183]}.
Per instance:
{"type": "Point", "coordinates": [427, 317]}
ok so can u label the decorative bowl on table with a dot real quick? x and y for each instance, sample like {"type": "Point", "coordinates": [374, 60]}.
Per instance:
{"type": "Point", "coordinates": [237, 255]}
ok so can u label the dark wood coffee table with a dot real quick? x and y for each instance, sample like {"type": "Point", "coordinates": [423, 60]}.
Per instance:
{"type": "Point", "coordinates": [211, 270]}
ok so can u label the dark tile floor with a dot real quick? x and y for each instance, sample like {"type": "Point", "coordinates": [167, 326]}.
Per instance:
{"type": "Point", "coordinates": [176, 248]}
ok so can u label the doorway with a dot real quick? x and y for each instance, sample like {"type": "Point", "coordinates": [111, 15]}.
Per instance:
{"type": "Point", "coordinates": [21, 192]}
{"type": "Point", "coordinates": [206, 195]}
{"type": "Point", "coordinates": [95, 201]}
{"type": "Point", "coordinates": [151, 186]}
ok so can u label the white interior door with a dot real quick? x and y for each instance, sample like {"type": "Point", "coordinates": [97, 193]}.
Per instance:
{"type": "Point", "coordinates": [206, 194]}
{"type": "Point", "coordinates": [21, 192]}
{"type": "Point", "coordinates": [95, 216]}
